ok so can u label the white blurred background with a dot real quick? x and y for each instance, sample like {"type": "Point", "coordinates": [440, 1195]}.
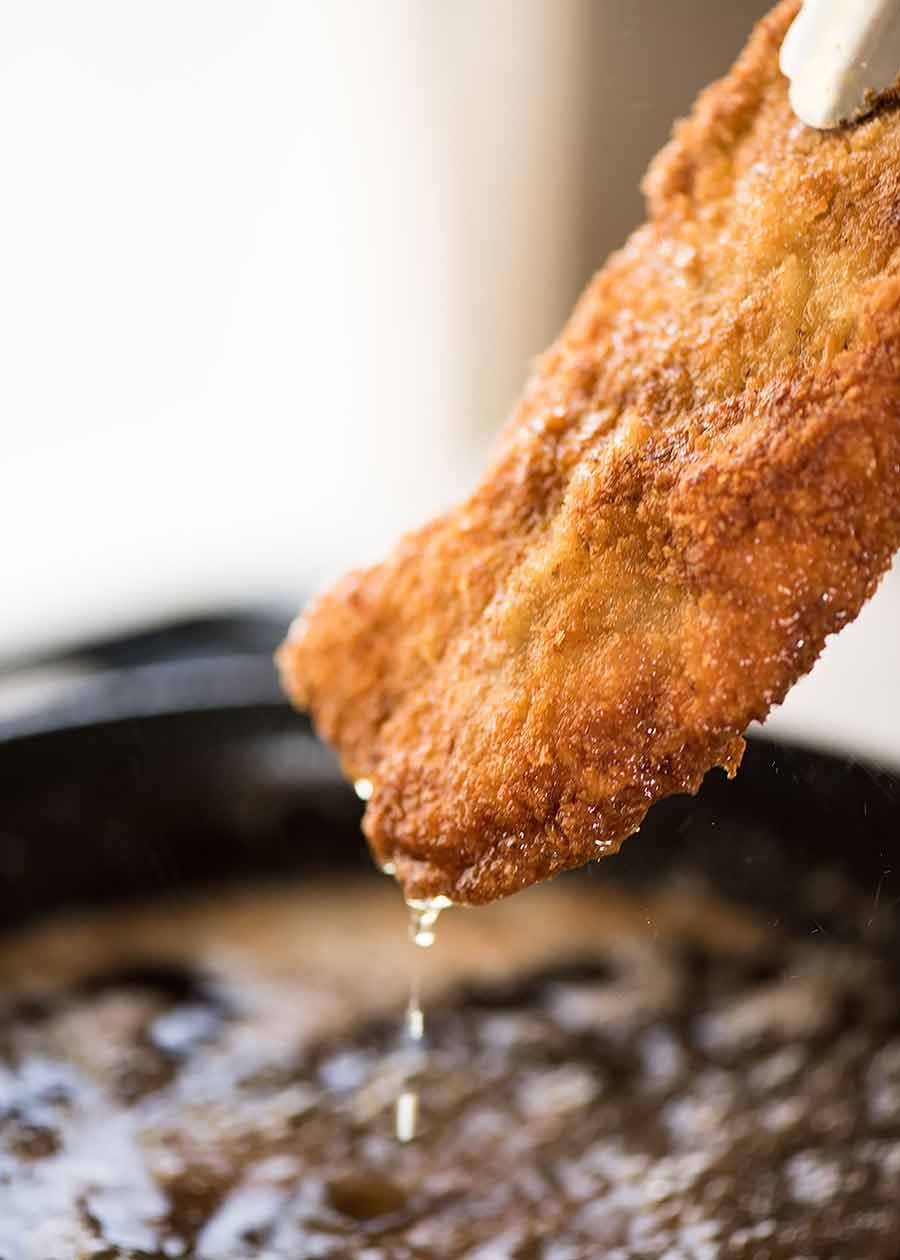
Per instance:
{"type": "Point", "coordinates": [272, 274]}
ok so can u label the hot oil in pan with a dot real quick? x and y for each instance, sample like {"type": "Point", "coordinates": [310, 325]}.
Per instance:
{"type": "Point", "coordinates": [694, 1093]}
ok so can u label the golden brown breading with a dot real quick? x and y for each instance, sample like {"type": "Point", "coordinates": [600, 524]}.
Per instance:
{"type": "Point", "coordinates": [701, 483]}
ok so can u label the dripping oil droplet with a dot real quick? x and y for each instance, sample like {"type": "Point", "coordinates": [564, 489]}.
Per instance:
{"type": "Point", "coordinates": [423, 917]}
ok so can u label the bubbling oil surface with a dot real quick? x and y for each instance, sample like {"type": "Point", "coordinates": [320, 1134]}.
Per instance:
{"type": "Point", "coordinates": [592, 1087]}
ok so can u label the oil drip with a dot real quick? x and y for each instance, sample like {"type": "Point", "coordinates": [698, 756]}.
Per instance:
{"type": "Point", "coordinates": [423, 917]}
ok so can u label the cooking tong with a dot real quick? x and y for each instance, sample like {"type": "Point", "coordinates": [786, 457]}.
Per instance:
{"type": "Point", "coordinates": [841, 57]}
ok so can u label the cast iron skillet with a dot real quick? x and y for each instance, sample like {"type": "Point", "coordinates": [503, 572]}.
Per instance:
{"type": "Point", "coordinates": [178, 764]}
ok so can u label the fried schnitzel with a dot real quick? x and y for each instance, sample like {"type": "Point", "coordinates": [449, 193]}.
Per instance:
{"type": "Point", "coordinates": [701, 483]}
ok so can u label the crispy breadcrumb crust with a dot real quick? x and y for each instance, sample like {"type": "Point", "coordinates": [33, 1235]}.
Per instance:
{"type": "Point", "coordinates": [701, 484]}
